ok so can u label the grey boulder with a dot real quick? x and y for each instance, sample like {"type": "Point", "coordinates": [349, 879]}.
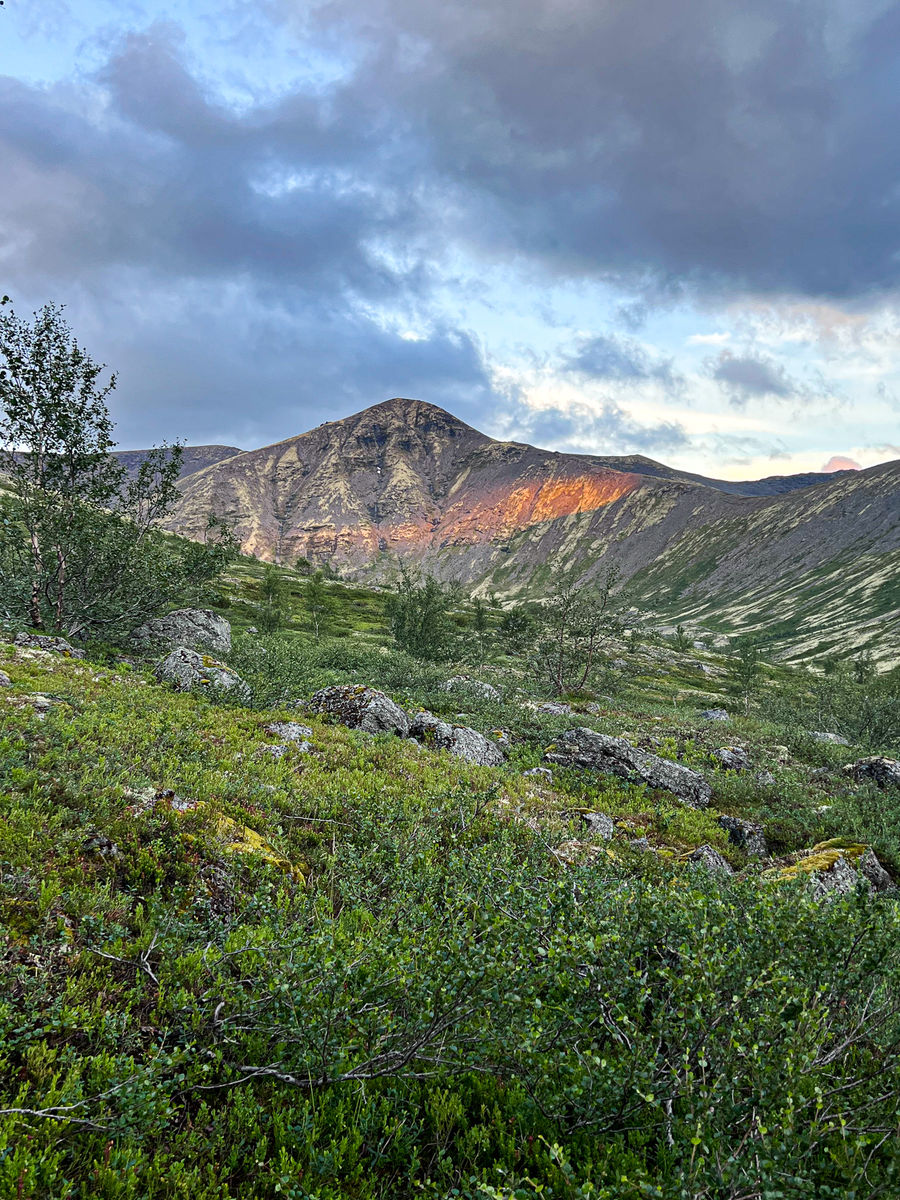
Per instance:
{"type": "Point", "coordinates": [197, 628]}
{"type": "Point", "coordinates": [746, 835]}
{"type": "Point", "coordinates": [884, 772]}
{"type": "Point", "coordinates": [714, 714]}
{"type": "Point", "coordinates": [186, 671]}
{"type": "Point", "coordinates": [462, 683]}
{"type": "Point", "coordinates": [707, 858]}
{"type": "Point", "coordinates": [833, 739]}
{"type": "Point", "coordinates": [361, 707]}
{"type": "Point", "coordinates": [733, 758]}
{"type": "Point", "coordinates": [599, 824]}
{"type": "Point", "coordinates": [5, 680]}
{"type": "Point", "coordinates": [458, 740]}
{"type": "Point", "coordinates": [614, 756]}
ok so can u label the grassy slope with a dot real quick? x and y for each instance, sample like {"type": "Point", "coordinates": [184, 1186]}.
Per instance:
{"type": "Point", "coordinates": [141, 986]}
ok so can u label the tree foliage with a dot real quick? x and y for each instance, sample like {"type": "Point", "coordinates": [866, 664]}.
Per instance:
{"type": "Point", "coordinates": [571, 628]}
{"type": "Point", "coordinates": [419, 614]}
{"type": "Point", "coordinates": [80, 546]}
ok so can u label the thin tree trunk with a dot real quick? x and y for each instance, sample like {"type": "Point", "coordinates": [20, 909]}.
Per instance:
{"type": "Point", "coordinates": [60, 588]}
{"type": "Point", "coordinates": [34, 604]}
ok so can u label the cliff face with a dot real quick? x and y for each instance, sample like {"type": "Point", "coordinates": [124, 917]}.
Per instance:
{"type": "Point", "coordinates": [405, 480]}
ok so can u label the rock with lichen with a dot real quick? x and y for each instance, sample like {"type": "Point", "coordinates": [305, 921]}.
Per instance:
{"type": "Point", "coordinates": [883, 772]}
{"type": "Point", "coordinates": [361, 707]}
{"type": "Point", "coordinates": [459, 740]}
{"type": "Point", "coordinates": [51, 645]}
{"type": "Point", "coordinates": [615, 756]}
{"type": "Point", "coordinates": [187, 671]}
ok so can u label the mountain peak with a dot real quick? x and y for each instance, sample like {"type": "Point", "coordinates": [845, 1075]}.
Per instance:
{"type": "Point", "coordinates": [411, 412]}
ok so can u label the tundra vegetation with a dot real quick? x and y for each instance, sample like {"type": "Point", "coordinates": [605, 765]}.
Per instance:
{"type": "Point", "coordinates": [249, 951]}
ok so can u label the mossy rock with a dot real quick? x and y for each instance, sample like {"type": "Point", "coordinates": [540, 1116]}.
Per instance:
{"type": "Point", "coordinates": [235, 838]}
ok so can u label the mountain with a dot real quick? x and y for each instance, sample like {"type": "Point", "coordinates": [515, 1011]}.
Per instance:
{"type": "Point", "coordinates": [194, 458]}
{"type": "Point", "coordinates": [818, 564]}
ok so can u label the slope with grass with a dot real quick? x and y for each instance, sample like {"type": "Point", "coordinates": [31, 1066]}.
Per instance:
{"type": "Point", "coordinates": [372, 970]}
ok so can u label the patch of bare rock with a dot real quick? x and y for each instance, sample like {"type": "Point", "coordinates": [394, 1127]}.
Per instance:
{"type": "Point", "coordinates": [196, 628]}
{"type": "Point", "coordinates": [600, 752]}
{"type": "Point", "coordinates": [50, 645]}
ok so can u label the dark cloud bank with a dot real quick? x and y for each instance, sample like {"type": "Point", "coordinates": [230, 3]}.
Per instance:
{"type": "Point", "coordinates": [231, 264]}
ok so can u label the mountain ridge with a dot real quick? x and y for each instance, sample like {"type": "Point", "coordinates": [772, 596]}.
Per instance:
{"type": "Point", "coordinates": [404, 480]}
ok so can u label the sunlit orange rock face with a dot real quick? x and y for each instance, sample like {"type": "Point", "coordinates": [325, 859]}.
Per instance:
{"type": "Point", "coordinates": [400, 479]}
{"type": "Point", "coordinates": [501, 512]}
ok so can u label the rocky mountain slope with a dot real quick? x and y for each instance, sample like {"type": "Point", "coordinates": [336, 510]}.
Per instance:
{"type": "Point", "coordinates": [406, 480]}
{"type": "Point", "coordinates": [194, 458]}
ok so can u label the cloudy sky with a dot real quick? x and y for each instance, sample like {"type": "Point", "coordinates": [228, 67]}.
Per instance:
{"type": "Point", "coordinates": [667, 227]}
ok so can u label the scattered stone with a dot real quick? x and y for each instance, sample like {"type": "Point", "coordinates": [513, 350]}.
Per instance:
{"type": "Point", "coordinates": [291, 731]}
{"type": "Point", "coordinates": [615, 756]}
{"type": "Point", "coordinates": [41, 703]}
{"type": "Point", "coordinates": [599, 824]}
{"type": "Point", "coordinates": [545, 772]}
{"type": "Point", "coordinates": [709, 859]}
{"type": "Point", "coordinates": [361, 707]}
{"type": "Point", "coordinates": [746, 835]}
{"type": "Point", "coordinates": [277, 752]}
{"type": "Point", "coordinates": [640, 844]}
{"type": "Point", "coordinates": [53, 645]}
{"type": "Point", "coordinates": [619, 664]}
{"type": "Point", "coordinates": [765, 779]}
{"type": "Point", "coordinates": [884, 772]}
{"type": "Point", "coordinates": [100, 845]}
{"type": "Point", "coordinates": [733, 758]}
{"type": "Point", "coordinates": [5, 680]}
{"type": "Point", "coordinates": [252, 629]}
{"type": "Point", "coordinates": [574, 851]}
{"type": "Point", "coordinates": [141, 800]}
{"type": "Point", "coordinates": [833, 739]}
{"type": "Point", "coordinates": [714, 714]}
{"type": "Point", "coordinates": [187, 671]}
{"type": "Point", "coordinates": [462, 683]}
{"type": "Point", "coordinates": [459, 740]}
{"type": "Point", "coordinates": [553, 708]}
{"type": "Point", "coordinates": [197, 628]}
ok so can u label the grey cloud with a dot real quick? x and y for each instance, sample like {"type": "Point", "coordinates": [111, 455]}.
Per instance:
{"type": "Point", "coordinates": [669, 143]}
{"type": "Point", "coordinates": [618, 359]}
{"type": "Point", "coordinates": [232, 267]}
{"type": "Point", "coordinates": [745, 377]}
{"type": "Point", "coordinates": [612, 430]}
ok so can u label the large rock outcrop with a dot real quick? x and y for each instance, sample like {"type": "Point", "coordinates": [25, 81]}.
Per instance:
{"type": "Point", "coordinates": [196, 628]}
{"type": "Point", "coordinates": [460, 741]}
{"type": "Point", "coordinates": [361, 707]}
{"type": "Point", "coordinates": [614, 756]}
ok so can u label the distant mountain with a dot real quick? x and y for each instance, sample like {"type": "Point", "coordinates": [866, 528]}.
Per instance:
{"type": "Point", "coordinates": [194, 458]}
{"type": "Point", "coordinates": [772, 485]}
{"type": "Point", "coordinates": [405, 480]}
